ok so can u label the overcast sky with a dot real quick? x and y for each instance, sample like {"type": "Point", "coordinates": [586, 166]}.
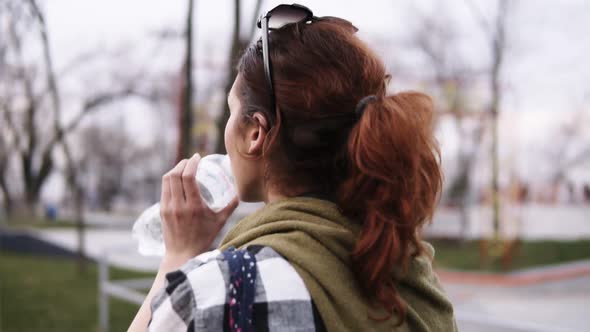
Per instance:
{"type": "Point", "coordinates": [547, 72]}
{"type": "Point", "coordinates": [548, 51]}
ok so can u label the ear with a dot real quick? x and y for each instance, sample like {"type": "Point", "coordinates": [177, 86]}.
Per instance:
{"type": "Point", "coordinates": [256, 134]}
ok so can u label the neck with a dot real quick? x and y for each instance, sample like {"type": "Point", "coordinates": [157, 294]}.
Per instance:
{"type": "Point", "coordinates": [273, 194]}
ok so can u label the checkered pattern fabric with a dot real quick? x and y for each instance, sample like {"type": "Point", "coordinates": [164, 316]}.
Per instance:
{"type": "Point", "coordinates": [197, 296]}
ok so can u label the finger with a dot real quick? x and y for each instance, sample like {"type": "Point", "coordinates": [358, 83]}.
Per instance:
{"type": "Point", "coordinates": [228, 210]}
{"type": "Point", "coordinates": [177, 192]}
{"type": "Point", "coordinates": [165, 195]}
{"type": "Point", "coordinates": [189, 183]}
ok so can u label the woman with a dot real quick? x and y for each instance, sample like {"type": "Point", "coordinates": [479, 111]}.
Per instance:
{"type": "Point", "coordinates": [349, 175]}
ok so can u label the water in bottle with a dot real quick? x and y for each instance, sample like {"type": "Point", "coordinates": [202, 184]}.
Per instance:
{"type": "Point", "coordinates": [216, 185]}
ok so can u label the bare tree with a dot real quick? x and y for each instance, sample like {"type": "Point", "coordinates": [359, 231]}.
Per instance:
{"type": "Point", "coordinates": [35, 133]}
{"type": "Point", "coordinates": [437, 37]}
{"type": "Point", "coordinates": [34, 124]}
{"type": "Point", "coordinates": [496, 35]}
{"type": "Point", "coordinates": [71, 175]}
{"type": "Point", "coordinates": [239, 43]}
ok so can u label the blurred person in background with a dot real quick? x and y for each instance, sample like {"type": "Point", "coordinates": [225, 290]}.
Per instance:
{"type": "Point", "coordinates": [349, 175]}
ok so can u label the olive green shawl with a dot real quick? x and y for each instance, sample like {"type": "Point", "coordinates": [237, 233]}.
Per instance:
{"type": "Point", "coordinates": [317, 239]}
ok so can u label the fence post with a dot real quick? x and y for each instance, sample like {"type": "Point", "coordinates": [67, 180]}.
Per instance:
{"type": "Point", "coordinates": [103, 296]}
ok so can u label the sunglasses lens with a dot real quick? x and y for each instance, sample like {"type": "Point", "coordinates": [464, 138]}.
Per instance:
{"type": "Point", "coordinates": [283, 15]}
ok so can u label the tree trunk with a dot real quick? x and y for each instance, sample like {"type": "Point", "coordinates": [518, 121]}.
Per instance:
{"type": "Point", "coordinates": [498, 48]}
{"type": "Point", "coordinates": [185, 118]}
{"type": "Point", "coordinates": [78, 199]}
{"type": "Point", "coordinates": [80, 229]}
{"type": "Point", "coordinates": [7, 198]}
{"type": "Point", "coordinates": [31, 200]}
{"type": "Point", "coordinates": [238, 44]}
{"type": "Point", "coordinates": [231, 75]}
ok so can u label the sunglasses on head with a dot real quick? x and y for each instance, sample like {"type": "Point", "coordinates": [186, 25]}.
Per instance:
{"type": "Point", "coordinates": [277, 18]}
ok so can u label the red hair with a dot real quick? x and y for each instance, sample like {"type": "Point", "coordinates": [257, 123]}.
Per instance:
{"type": "Point", "coordinates": [382, 168]}
{"type": "Point", "coordinates": [393, 186]}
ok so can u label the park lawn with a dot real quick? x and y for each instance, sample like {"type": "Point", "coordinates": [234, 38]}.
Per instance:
{"type": "Point", "coordinates": [42, 223]}
{"type": "Point", "coordinates": [41, 293]}
{"type": "Point", "coordinates": [466, 256]}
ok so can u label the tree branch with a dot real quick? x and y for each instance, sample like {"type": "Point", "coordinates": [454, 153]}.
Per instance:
{"type": "Point", "coordinates": [91, 105]}
{"type": "Point", "coordinates": [31, 108]}
{"type": "Point", "coordinates": [11, 126]}
{"type": "Point", "coordinates": [480, 19]}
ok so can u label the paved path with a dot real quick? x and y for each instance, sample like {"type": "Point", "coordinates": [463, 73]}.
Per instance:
{"type": "Point", "coordinates": [117, 243]}
{"type": "Point", "coordinates": [557, 306]}
{"type": "Point", "coordinates": [526, 277]}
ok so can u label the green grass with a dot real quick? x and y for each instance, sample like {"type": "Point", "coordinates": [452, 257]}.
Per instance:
{"type": "Point", "coordinates": [47, 294]}
{"type": "Point", "coordinates": [466, 256]}
{"type": "Point", "coordinates": [38, 222]}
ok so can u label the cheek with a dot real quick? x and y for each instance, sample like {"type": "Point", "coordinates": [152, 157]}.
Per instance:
{"type": "Point", "coordinates": [229, 139]}
{"type": "Point", "coordinates": [226, 134]}
{"type": "Point", "coordinates": [240, 167]}
{"type": "Point", "coordinates": [230, 134]}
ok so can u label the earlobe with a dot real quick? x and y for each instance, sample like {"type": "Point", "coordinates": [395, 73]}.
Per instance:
{"type": "Point", "coordinates": [257, 135]}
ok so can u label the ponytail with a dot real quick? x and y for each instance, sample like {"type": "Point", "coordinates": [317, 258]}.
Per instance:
{"type": "Point", "coordinates": [392, 187]}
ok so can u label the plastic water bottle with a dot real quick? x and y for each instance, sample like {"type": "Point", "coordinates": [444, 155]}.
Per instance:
{"type": "Point", "coordinates": [216, 185]}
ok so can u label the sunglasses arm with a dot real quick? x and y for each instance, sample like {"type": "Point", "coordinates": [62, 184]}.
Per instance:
{"type": "Point", "coordinates": [266, 58]}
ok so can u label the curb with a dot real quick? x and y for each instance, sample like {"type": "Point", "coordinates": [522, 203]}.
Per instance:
{"type": "Point", "coordinates": [517, 278]}
{"type": "Point", "coordinates": [24, 242]}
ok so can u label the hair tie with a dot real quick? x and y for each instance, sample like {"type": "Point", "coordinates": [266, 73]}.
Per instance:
{"type": "Point", "coordinates": [360, 107]}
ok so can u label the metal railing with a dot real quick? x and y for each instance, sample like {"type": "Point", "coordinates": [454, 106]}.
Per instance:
{"type": "Point", "coordinates": [123, 289]}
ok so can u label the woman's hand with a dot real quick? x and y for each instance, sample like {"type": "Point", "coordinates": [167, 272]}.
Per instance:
{"type": "Point", "coordinates": [189, 226]}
